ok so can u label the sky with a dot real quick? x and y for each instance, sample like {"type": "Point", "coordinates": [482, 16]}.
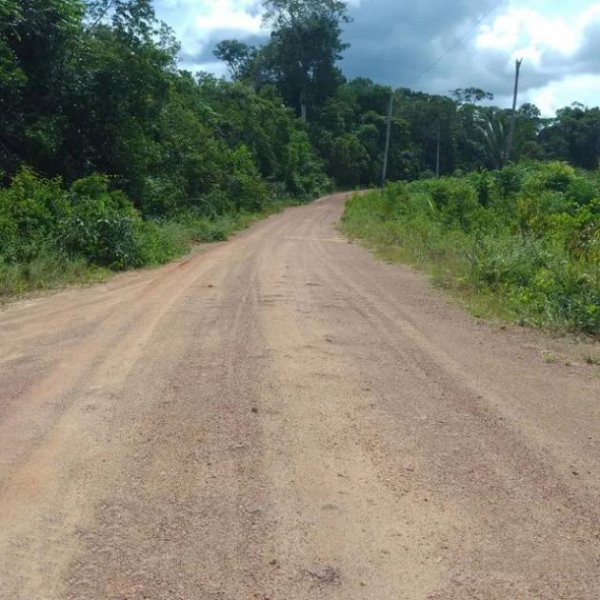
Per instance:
{"type": "Point", "coordinates": [432, 45]}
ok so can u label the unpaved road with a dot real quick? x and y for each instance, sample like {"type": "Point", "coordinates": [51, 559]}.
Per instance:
{"type": "Point", "coordinates": [281, 417]}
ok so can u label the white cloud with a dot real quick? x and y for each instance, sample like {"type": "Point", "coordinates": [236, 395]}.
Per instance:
{"type": "Point", "coordinates": [393, 41]}
{"type": "Point", "coordinates": [198, 23]}
{"type": "Point", "coordinates": [532, 34]}
{"type": "Point", "coordinates": [558, 94]}
{"type": "Point", "coordinates": [228, 15]}
{"type": "Point", "coordinates": [550, 39]}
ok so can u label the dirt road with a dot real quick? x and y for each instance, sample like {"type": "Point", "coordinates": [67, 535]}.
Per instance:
{"type": "Point", "coordinates": [281, 417]}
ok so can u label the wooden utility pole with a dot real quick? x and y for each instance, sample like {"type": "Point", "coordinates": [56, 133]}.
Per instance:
{"type": "Point", "coordinates": [388, 135]}
{"type": "Point", "coordinates": [438, 151]}
{"type": "Point", "coordinates": [303, 108]}
{"type": "Point", "coordinates": [513, 118]}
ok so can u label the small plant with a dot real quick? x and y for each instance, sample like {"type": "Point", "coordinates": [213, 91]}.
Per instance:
{"type": "Point", "coordinates": [592, 359]}
{"type": "Point", "coordinates": [550, 358]}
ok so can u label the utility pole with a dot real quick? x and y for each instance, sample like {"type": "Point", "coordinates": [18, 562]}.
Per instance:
{"type": "Point", "coordinates": [513, 119]}
{"type": "Point", "coordinates": [388, 135]}
{"type": "Point", "coordinates": [437, 156]}
{"type": "Point", "coordinates": [303, 108]}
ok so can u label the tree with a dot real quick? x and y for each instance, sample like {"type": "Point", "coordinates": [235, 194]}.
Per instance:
{"type": "Point", "coordinates": [135, 19]}
{"type": "Point", "coordinates": [237, 56]}
{"type": "Point", "coordinates": [12, 81]}
{"type": "Point", "coordinates": [349, 132]}
{"type": "Point", "coordinates": [349, 160]}
{"type": "Point", "coordinates": [427, 117]}
{"type": "Point", "coordinates": [493, 131]}
{"type": "Point", "coordinates": [283, 13]}
{"type": "Point", "coordinates": [528, 126]}
{"type": "Point", "coordinates": [37, 37]}
{"type": "Point", "coordinates": [304, 48]}
{"type": "Point", "coordinates": [470, 95]}
{"type": "Point", "coordinates": [574, 136]}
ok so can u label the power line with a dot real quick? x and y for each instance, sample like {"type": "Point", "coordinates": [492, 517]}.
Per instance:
{"type": "Point", "coordinates": [513, 117]}
{"type": "Point", "coordinates": [432, 66]}
{"type": "Point", "coordinates": [458, 42]}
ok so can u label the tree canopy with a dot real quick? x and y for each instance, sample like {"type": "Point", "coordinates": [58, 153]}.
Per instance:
{"type": "Point", "coordinates": [112, 155]}
{"type": "Point", "coordinates": [94, 87]}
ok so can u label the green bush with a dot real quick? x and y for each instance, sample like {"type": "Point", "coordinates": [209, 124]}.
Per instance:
{"type": "Point", "coordinates": [524, 241]}
{"type": "Point", "coordinates": [89, 221]}
{"type": "Point", "coordinates": [160, 242]}
{"type": "Point", "coordinates": [456, 200]}
{"type": "Point", "coordinates": [244, 184]}
{"type": "Point", "coordinates": [302, 171]}
{"type": "Point", "coordinates": [31, 210]}
{"type": "Point", "coordinates": [102, 225]}
{"type": "Point", "coordinates": [46, 271]}
{"type": "Point", "coordinates": [50, 235]}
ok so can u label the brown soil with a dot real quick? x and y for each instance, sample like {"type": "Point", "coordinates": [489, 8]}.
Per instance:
{"type": "Point", "coordinates": [281, 417]}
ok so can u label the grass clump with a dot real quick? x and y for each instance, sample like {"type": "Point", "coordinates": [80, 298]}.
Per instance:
{"type": "Point", "coordinates": [522, 243]}
{"type": "Point", "coordinates": [52, 235]}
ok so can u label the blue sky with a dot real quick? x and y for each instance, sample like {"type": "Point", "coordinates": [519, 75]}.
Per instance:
{"type": "Point", "coordinates": [395, 41]}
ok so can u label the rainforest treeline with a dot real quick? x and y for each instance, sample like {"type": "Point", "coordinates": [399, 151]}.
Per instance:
{"type": "Point", "coordinates": [112, 155]}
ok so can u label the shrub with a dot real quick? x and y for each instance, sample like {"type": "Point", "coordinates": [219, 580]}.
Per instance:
{"type": "Point", "coordinates": [302, 170]}
{"type": "Point", "coordinates": [102, 225]}
{"type": "Point", "coordinates": [524, 240]}
{"type": "Point", "coordinates": [244, 184]}
{"type": "Point", "coordinates": [160, 242]}
{"type": "Point", "coordinates": [30, 212]}
{"type": "Point", "coordinates": [456, 200]}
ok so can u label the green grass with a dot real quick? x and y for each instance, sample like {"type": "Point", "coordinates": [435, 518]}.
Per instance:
{"type": "Point", "coordinates": [159, 243]}
{"type": "Point", "coordinates": [53, 235]}
{"type": "Point", "coordinates": [46, 272]}
{"type": "Point", "coordinates": [521, 244]}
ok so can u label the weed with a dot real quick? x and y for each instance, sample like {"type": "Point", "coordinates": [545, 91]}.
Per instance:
{"type": "Point", "coordinates": [550, 358]}
{"type": "Point", "coordinates": [522, 244]}
{"type": "Point", "coordinates": [51, 236]}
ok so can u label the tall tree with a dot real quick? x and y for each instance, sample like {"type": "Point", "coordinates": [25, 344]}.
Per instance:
{"type": "Point", "coordinates": [574, 136]}
{"type": "Point", "coordinates": [304, 49]}
{"type": "Point", "coordinates": [36, 39]}
{"type": "Point", "coordinates": [471, 95]}
{"type": "Point", "coordinates": [238, 57]}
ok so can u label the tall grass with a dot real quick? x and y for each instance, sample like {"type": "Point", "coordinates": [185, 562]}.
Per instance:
{"type": "Point", "coordinates": [51, 236]}
{"type": "Point", "coordinates": [522, 243]}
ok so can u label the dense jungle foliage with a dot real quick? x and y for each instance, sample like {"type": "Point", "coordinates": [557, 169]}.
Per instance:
{"type": "Point", "coordinates": [112, 157]}
{"type": "Point", "coordinates": [522, 242]}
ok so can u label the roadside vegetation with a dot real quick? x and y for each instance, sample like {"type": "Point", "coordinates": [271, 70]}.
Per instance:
{"type": "Point", "coordinates": [112, 157]}
{"type": "Point", "coordinates": [51, 234]}
{"type": "Point", "coordinates": [521, 243]}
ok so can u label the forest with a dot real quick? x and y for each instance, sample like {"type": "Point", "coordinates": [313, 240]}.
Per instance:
{"type": "Point", "coordinates": [112, 157]}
